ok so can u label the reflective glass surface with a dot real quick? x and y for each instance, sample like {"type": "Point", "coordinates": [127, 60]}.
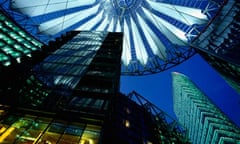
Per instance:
{"type": "Point", "coordinates": [15, 43]}
{"type": "Point", "coordinates": [42, 130]}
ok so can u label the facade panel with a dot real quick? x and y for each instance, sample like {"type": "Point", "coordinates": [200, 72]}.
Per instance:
{"type": "Point", "coordinates": [203, 120]}
{"type": "Point", "coordinates": [230, 72]}
{"type": "Point", "coordinates": [219, 43]}
{"type": "Point", "coordinates": [15, 43]}
{"type": "Point", "coordinates": [68, 96]}
{"type": "Point", "coordinates": [72, 96]}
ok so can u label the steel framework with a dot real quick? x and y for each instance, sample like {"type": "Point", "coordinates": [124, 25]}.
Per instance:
{"type": "Point", "coordinates": [157, 34]}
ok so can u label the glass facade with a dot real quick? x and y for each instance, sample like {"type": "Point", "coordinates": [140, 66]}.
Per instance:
{"type": "Point", "coordinates": [15, 43]}
{"type": "Point", "coordinates": [221, 38]}
{"type": "Point", "coordinates": [67, 97]}
{"type": "Point", "coordinates": [166, 128]}
{"type": "Point", "coordinates": [136, 120]}
{"type": "Point", "coordinates": [33, 129]}
{"type": "Point", "coordinates": [69, 63]}
{"type": "Point", "coordinates": [127, 122]}
{"type": "Point", "coordinates": [72, 96]}
{"type": "Point", "coordinates": [229, 71]}
{"type": "Point", "coordinates": [35, 91]}
{"type": "Point", "coordinates": [219, 44]}
{"type": "Point", "coordinates": [71, 75]}
{"type": "Point", "coordinates": [204, 121]}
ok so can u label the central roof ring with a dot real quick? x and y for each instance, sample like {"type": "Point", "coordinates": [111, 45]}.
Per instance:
{"type": "Point", "coordinates": [125, 7]}
{"type": "Point", "coordinates": [126, 4]}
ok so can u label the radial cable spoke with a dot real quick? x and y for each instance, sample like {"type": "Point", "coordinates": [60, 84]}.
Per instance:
{"type": "Point", "coordinates": [155, 31]}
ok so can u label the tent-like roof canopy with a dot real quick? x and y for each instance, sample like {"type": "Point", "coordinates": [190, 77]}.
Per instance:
{"type": "Point", "coordinates": [157, 33]}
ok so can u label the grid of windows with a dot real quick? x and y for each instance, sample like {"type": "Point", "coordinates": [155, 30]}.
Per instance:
{"type": "Point", "coordinates": [95, 69]}
{"type": "Point", "coordinates": [203, 120]}
{"type": "Point", "coordinates": [89, 103]}
{"type": "Point", "coordinates": [230, 72]}
{"type": "Point", "coordinates": [33, 91]}
{"type": "Point", "coordinates": [14, 42]}
{"type": "Point", "coordinates": [69, 63]}
{"type": "Point", "coordinates": [34, 129]}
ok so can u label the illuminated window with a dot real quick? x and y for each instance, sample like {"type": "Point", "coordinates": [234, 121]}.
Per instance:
{"type": "Point", "coordinates": [91, 135]}
{"type": "Point", "coordinates": [127, 123]}
{"type": "Point", "coordinates": [7, 63]}
{"type": "Point", "coordinates": [148, 142]}
{"type": "Point", "coordinates": [3, 57]}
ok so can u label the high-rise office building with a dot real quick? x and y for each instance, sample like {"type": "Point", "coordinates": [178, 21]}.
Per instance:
{"type": "Point", "coordinates": [158, 36]}
{"type": "Point", "coordinates": [166, 128]}
{"type": "Point", "coordinates": [219, 44]}
{"type": "Point", "coordinates": [204, 121]}
{"type": "Point", "coordinates": [230, 72]}
{"type": "Point", "coordinates": [71, 95]}
{"type": "Point", "coordinates": [17, 49]}
{"type": "Point", "coordinates": [86, 63]}
{"type": "Point", "coordinates": [67, 97]}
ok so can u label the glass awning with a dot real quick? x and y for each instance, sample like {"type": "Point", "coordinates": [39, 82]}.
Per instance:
{"type": "Point", "coordinates": [157, 33]}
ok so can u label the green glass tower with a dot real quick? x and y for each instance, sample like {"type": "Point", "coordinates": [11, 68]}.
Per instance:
{"type": "Point", "coordinates": [206, 124]}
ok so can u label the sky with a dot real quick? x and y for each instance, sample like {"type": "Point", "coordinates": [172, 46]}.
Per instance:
{"type": "Point", "coordinates": [157, 88]}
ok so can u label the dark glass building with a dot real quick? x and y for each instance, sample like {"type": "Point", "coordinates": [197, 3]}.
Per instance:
{"type": "Point", "coordinates": [135, 120]}
{"type": "Point", "coordinates": [229, 71]}
{"type": "Point", "coordinates": [74, 83]}
{"type": "Point", "coordinates": [68, 91]}
{"type": "Point", "coordinates": [17, 54]}
{"type": "Point", "coordinates": [205, 122]}
{"type": "Point", "coordinates": [219, 43]}
{"type": "Point", "coordinates": [70, 94]}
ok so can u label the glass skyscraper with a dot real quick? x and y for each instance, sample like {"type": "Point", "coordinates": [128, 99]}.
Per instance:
{"type": "Point", "coordinates": [66, 96]}
{"type": "Point", "coordinates": [61, 61]}
{"type": "Point", "coordinates": [219, 44]}
{"type": "Point", "coordinates": [205, 123]}
{"type": "Point", "coordinates": [17, 49]}
{"type": "Point", "coordinates": [230, 72]}
{"type": "Point", "coordinates": [69, 93]}
{"type": "Point", "coordinates": [64, 68]}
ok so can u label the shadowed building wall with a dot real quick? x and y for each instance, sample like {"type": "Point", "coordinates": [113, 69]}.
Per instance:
{"type": "Point", "coordinates": [219, 43]}
{"type": "Point", "coordinates": [72, 96]}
